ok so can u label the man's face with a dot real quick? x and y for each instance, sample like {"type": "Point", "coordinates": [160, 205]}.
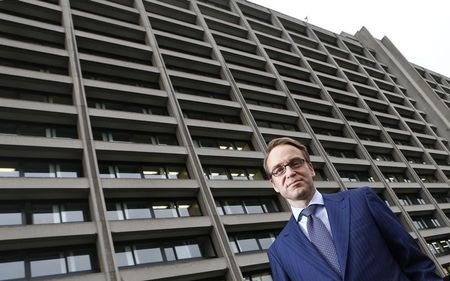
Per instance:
{"type": "Point", "coordinates": [296, 185]}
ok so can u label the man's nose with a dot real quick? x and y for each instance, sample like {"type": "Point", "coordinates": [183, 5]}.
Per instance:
{"type": "Point", "coordinates": [289, 171]}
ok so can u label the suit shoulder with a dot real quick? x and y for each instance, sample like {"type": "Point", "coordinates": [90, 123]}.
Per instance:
{"type": "Point", "coordinates": [281, 236]}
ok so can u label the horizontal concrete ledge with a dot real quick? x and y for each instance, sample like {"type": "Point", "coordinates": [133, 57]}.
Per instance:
{"type": "Point", "coordinates": [160, 228]}
{"type": "Point", "coordinates": [237, 223]}
{"type": "Point", "coordinates": [100, 276]}
{"type": "Point", "coordinates": [200, 269]}
{"type": "Point", "coordinates": [47, 235]}
{"type": "Point", "coordinates": [252, 261]}
{"type": "Point", "coordinates": [128, 188]}
{"type": "Point", "coordinates": [44, 188]}
{"type": "Point", "coordinates": [440, 231]}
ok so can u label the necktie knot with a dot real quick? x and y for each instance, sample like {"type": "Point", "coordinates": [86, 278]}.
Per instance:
{"type": "Point", "coordinates": [308, 211]}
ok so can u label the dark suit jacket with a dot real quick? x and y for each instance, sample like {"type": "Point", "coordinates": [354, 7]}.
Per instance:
{"type": "Point", "coordinates": [370, 242]}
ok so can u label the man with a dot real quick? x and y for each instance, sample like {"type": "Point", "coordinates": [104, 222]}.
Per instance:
{"type": "Point", "coordinates": [350, 236]}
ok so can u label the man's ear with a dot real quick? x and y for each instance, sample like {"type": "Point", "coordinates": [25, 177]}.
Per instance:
{"type": "Point", "coordinates": [310, 166]}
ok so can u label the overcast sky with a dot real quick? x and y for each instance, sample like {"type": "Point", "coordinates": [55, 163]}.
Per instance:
{"type": "Point", "coordinates": [419, 29]}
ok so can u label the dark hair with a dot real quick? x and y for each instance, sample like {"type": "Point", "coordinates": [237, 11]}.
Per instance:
{"type": "Point", "coordinates": [280, 141]}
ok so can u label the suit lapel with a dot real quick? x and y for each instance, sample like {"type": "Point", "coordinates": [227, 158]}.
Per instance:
{"type": "Point", "coordinates": [338, 210]}
{"type": "Point", "coordinates": [306, 250]}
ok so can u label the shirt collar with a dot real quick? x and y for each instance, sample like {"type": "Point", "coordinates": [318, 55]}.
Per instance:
{"type": "Point", "coordinates": [317, 199]}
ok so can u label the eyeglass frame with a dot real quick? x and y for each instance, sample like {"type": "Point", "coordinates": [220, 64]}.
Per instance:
{"type": "Point", "coordinates": [290, 164]}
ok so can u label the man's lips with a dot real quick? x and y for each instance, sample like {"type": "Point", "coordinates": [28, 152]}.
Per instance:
{"type": "Point", "coordinates": [293, 183]}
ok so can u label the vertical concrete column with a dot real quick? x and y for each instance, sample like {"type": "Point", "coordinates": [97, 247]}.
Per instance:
{"type": "Point", "coordinates": [105, 246]}
{"type": "Point", "coordinates": [219, 235]}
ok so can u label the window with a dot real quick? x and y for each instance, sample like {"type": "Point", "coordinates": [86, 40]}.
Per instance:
{"type": "Point", "coordinates": [441, 197]}
{"type": "Point", "coordinates": [9, 127]}
{"type": "Point", "coordinates": [146, 209]}
{"type": "Point", "coordinates": [396, 177]}
{"type": "Point", "coordinates": [320, 175]}
{"type": "Point", "coordinates": [46, 262]}
{"type": "Point", "coordinates": [368, 137]}
{"type": "Point", "coordinates": [163, 251]}
{"type": "Point", "coordinates": [226, 173]}
{"type": "Point", "coordinates": [250, 242]}
{"type": "Point", "coordinates": [40, 168]}
{"type": "Point", "coordinates": [341, 153]}
{"type": "Point", "coordinates": [36, 96]}
{"type": "Point", "coordinates": [439, 247]}
{"type": "Point", "coordinates": [328, 132]}
{"type": "Point", "coordinates": [233, 206]}
{"type": "Point", "coordinates": [349, 176]}
{"type": "Point", "coordinates": [406, 199]}
{"type": "Point", "coordinates": [42, 212]}
{"type": "Point", "coordinates": [276, 125]}
{"type": "Point", "coordinates": [207, 116]}
{"type": "Point", "coordinates": [134, 171]}
{"type": "Point", "coordinates": [223, 144]}
{"type": "Point", "coordinates": [427, 178]}
{"type": "Point", "coordinates": [265, 103]}
{"type": "Point", "coordinates": [425, 222]}
{"type": "Point", "coordinates": [261, 276]}
{"type": "Point", "coordinates": [113, 135]}
{"type": "Point", "coordinates": [382, 156]}
{"type": "Point", "coordinates": [128, 107]}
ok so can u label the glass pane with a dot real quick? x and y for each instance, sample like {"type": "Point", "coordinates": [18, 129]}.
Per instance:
{"type": "Point", "coordinates": [266, 242]}
{"type": "Point", "coordinates": [10, 214]}
{"type": "Point", "coordinates": [121, 136]}
{"type": "Point", "coordinates": [12, 270]}
{"type": "Point", "coordinates": [269, 206]}
{"type": "Point", "coordinates": [164, 210]}
{"type": "Point", "coordinates": [223, 144]}
{"type": "Point", "coordinates": [247, 243]}
{"type": "Point", "coordinates": [188, 208]}
{"type": "Point", "coordinates": [167, 139]}
{"type": "Point", "coordinates": [66, 132]}
{"type": "Point", "coordinates": [188, 251]}
{"type": "Point", "coordinates": [8, 128]}
{"type": "Point", "coordinates": [38, 170]}
{"type": "Point", "coordinates": [8, 171]}
{"type": "Point", "coordinates": [238, 174]}
{"type": "Point", "coordinates": [45, 213]}
{"type": "Point", "coordinates": [234, 246]}
{"type": "Point", "coordinates": [208, 143]}
{"type": "Point", "coordinates": [114, 211]}
{"type": "Point", "coordinates": [217, 174]}
{"type": "Point", "coordinates": [124, 256]}
{"type": "Point", "coordinates": [48, 266]}
{"type": "Point", "coordinates": [147, 255]}
{"type": "Point", "coordinates": [154, 172]}
{"type": "Point", "coordinates": [129, 171]}
{"type": "Point", "coordinates": [177, 172]}
{"type": "Point", "coordinates": [137, 210]}
{"type": "Point", "coordinates": [233, 207]}
{"type": "Point", "coordinates": [106, 171]}
{"type": "Point", "coordinates": [69, 170]}
{"type": "Point", "coordinates": [253, 206]}
{"type": "Point", "coordinates": [73, 212]}
{"type": "Point", "coordinates": [255, 174]}
{"type": "Point", "coordinates": [79, 262]}
{"type": "Point", "coordinates": [170, 254]}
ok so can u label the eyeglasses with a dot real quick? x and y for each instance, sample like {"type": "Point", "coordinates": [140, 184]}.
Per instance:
{"type": "Point", "coordinates": [295, 163]}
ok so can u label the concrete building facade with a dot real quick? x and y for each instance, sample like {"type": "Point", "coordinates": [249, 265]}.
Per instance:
{"type": "Point", "coordinates": [132, 134]}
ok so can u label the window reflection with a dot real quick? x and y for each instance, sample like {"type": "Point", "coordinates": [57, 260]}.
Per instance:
{"type": "Point", "coordinates": [147, 209]}
{"type": "Point", "coordinates": [163, 251]}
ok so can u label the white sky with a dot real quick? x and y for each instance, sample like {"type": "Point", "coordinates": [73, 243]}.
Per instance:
{"type": "Point", "coordinates": [420, 29]}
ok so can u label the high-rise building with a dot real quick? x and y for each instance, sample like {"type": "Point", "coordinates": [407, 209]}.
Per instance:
{"type": "Point", "coordinates": [132, 134]}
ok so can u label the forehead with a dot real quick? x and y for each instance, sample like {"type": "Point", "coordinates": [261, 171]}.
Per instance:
{"type": "Point", "coordinates": [282, 154]}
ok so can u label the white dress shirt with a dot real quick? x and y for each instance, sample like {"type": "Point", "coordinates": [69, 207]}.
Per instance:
{"type": "Point", "coordinates": [320, 212]}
